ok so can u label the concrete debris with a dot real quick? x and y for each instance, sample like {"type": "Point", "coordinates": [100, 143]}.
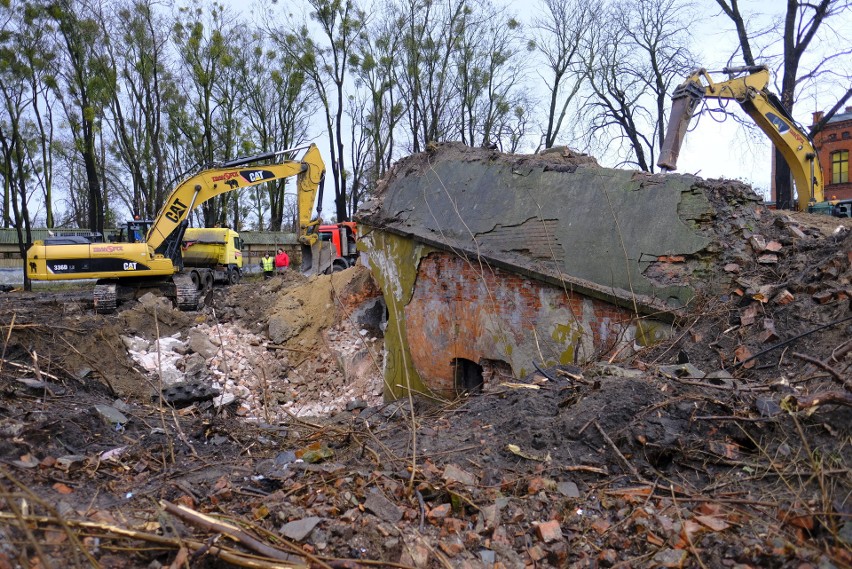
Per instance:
{"type": "Point", "coordinates": [111, 416]}
{"type": "Point", "coordinates": [265, 384]}
{"type": "Point", "coordinates": [297, 530]}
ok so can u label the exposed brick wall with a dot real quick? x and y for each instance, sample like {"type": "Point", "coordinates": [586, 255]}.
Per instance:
{"type": "Point", "coordinates": [462, 309]}
{"type": "Point", "coordinates": [830, 140]}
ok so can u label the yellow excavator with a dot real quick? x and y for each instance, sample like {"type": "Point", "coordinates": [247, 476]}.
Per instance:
{"type": "Point", "coordinates": [748, 87]}
{"type": "Point", "coordinates": [122, 269]}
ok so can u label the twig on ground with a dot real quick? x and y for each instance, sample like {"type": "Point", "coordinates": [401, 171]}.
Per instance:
{"type": "Point", "coordinates": [623, 459]}
{"type": "Point", "coordinates": [791, 340]}
{"type": "Point", "coordinates": [685, 530]}
{"type": "Point", "coordinates": [6, 340]}
{"type": "Point", "coordinates": [841, 351]}
{"type": "Point", "coordinates": [231, 531]}
{"type": "Point", "coordinates": [422, 510]}
{"type": "Point", "coordinates": [27, 368]}
{"type": "Point", "coordinates": [847, 383]}
{"type": "Point", "coordinates": [835, 397]}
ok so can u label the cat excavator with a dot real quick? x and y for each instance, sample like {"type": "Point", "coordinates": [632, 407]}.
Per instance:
{"type": "Point", "coordinates": [748, 87]}
{"type": "Point", "coordinates": [156, 262]}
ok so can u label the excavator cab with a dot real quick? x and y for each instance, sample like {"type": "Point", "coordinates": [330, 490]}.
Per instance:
{"type": "Point", "coordinates": [134, 231]}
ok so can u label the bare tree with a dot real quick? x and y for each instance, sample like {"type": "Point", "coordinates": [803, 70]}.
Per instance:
{"type": "Point", "coordinates": [201, 115]}
{"type": "Point", "coordinates": [786, 42]}
{"type": "Point", "coordinates": [138, 104]}
{"type": "Point", "coordinates": [374, 65]}
{"type": "Point", "coordinates": [340, 23]}
{"type": "Point", "coordinates": [87, 84]}
{"type": "Point", "coordinates": [559, 35]}
{"type": "Point", "coordinates": [13, 145]}
{"type": "Point", "coordinates": [278, 103]}
{"type": "Point", "coordinates": [488, 74]}
{"type": "Point", "coordinates": [635, 55]}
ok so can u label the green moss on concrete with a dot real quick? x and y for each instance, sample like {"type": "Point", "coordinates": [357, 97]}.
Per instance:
{"type": "Point", "coordinates": [394, 261]}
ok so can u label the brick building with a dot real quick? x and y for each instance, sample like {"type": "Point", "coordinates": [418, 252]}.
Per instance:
{"type": "Point", "coordinates": [834, 145]}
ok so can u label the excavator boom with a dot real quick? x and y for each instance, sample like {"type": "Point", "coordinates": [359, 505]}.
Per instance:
{"type": "Point", "coordinates": [158, 260]}
{"type": "Point", "coordinates": [166, 233]}
{"type": "Point", "coordinates": [748, 87]}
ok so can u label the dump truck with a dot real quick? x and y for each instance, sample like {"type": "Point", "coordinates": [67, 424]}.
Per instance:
{"type": "Point", "coordinates": [337, 242]}
{"type": "Point", "coordinates": [212, 255]}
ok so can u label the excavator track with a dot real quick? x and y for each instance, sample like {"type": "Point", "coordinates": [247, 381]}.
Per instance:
{"type": "Point", "coordinates": [186, 293]}
{"type": "Point", "coordinates": [105, 298]}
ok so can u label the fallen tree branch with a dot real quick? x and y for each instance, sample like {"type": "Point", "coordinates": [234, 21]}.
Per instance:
{"type": "Point", "coordinates": [231, 531]}
{"type": "Point", "coordinates": [791, 340]}
{"type": "Point", "coordinates": [836, 397]}
{"type": "Point", "coordinates": [825, 367]}
{"type": "Point", "coordinates": [841, 351]}
{"type": "Point", "coordinates": [29, 369]}
{"type": "Point", "coordinates": [229, 555]}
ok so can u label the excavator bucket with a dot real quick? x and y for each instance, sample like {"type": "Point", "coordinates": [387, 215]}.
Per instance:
{"type": "Point", "coordinates": [684, 101]}
{"type": "Point", "coordinates": [317, 258]}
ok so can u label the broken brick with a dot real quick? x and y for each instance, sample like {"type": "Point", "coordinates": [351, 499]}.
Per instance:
{"type": "Point", "coordinates": [769, 334]}
{"type": "Point", "coordinates": [451, 548]}
{"type": "Point", "coordinates": [732, 268]}
{"type": "Point", "coordinates": [784, 298]}
{"type": "Point", "coordinates": [557, 554]}
{"type": "Point", "coordinates": [774, 246]}
{"type": "Point", "coordinates": [674, 558]}
{"type": "Point", "coordinates": [548, 531]}
{"type": "Point", "coordinates": [758, 243]}
{"type": "Point", "coordinates": [538, 484]}
{"type": "Point", "coordinates": [454, 526]}
{"type": "Point", "coordinates": [438, 513]}
{"type": "Point", "coordinates": [798, 233]}
{"type": "Point", "coordinates": [453, 473]}
{"type": "Point", "coordinates": [600, 526]}
{"type": "Point", "coordinates": [748, 315]}
{"type": "Point", "coordinates": [608, 557]}
{"type": "Point", "coordinates": [536, 553]}
{"type": "Point", "coordinates": [823, 297]}
{"type": "Point", "coordinates": [741, 354]}
{"type": "Point", "coordinates": [768, 259]}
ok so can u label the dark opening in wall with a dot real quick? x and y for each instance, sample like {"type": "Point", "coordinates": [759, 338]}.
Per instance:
{"type": "Point", "coordinates": [468, 376]}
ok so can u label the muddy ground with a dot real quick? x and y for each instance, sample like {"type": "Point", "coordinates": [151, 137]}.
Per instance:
{"type": "Point", "coordinates": [727, 446]}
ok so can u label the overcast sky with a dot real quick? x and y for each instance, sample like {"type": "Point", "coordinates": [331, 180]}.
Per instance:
{"type": "Point", "coordinates": [711, 149]}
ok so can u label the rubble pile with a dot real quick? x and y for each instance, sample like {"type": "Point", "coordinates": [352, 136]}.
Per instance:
{"type": "Point", "coordinates": [789, 297]}
{"type": "Point", "coordinates": [265, 382]}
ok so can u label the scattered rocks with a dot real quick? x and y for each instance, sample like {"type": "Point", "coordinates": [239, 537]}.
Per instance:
{"type": "Point", "coordinates": [298, 530]}
{"type": "Point", "coordinates": [382, 507]}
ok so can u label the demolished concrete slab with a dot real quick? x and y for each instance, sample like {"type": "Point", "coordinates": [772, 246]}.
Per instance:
{"type": "Point", "coordinates": [491, 262]}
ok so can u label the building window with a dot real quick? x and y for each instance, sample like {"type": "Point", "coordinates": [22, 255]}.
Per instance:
{"type": "Point", "coordinates": [832, 137]}
{"type": "Point", "coordinates": [845, 135]}
{"type": "Point", "coordinates": [840, 167]}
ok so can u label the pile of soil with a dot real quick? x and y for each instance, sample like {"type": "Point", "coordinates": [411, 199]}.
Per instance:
{"type": "Point", "coordinates": [727, 446]}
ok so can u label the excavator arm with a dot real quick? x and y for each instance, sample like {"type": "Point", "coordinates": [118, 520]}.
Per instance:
{"type": "Point", "coordinates": [166, 233]}
{"type": "Point", "coordinates": [748, 87]}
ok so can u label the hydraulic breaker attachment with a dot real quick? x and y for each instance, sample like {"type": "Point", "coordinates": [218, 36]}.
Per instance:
{"type": "Point", "coordinates": [685, 99]}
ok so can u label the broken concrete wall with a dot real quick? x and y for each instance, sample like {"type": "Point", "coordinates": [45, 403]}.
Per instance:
{"type": "Point", "coordinates": [500, 261]}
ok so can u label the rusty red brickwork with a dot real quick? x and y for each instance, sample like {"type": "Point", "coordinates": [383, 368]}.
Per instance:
{"type": "Point", "coordinates": [464, 309]}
